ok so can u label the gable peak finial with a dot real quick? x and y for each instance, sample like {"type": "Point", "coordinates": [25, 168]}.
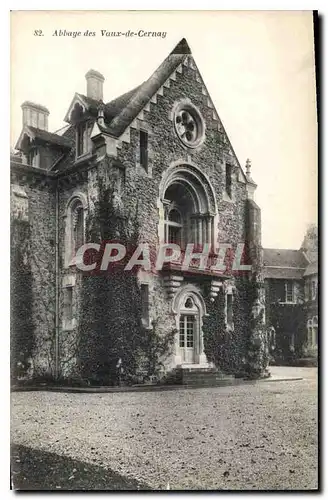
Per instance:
{"type": "Point", "coordinates": [182, 47]}
{"type": "Point", "coordinates": [248, 167]}
{"type": "Point", "coordinates": [100, 117]}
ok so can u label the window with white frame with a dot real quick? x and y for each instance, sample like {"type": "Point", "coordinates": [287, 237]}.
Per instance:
{"type": "Point", "coordinates": [174, 225]}
{"type": "Point", "coordinates": [289, 292]}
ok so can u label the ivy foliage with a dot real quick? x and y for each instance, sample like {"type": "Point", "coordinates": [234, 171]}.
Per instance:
{"type": "Point", "coordinates": [242, 350]}
{"type": "Point", "coordinates": [288, 320]}
{"type": "Point", "coordinates": [22, 327]}
{"type": "Point", "coordinates": [113, 341]}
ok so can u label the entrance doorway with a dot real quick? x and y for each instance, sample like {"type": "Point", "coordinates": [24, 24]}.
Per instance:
{"type": "Point", "coordinates": [187, 334]}
{"type": "Point", "coordinates": [189, 309]}
{"type": "Point", "coordinates": [189, 331]}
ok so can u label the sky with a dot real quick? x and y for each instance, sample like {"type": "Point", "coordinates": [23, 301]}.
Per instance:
{"type": "Point", "coordinates": [258, 67]}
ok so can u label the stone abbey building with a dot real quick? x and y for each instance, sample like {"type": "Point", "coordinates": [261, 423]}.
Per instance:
{"type": "Point", "coordinates": [154, 165]}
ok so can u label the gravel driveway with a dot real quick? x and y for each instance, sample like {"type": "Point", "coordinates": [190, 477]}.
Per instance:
{"type": "Point", "coordinates": [258, 436]}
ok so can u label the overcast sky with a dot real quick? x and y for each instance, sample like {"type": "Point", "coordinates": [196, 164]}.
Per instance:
{"type": "Point", "coordinates": [258, 68]}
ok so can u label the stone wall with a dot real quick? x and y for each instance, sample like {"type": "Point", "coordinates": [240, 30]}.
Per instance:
{"type": "Point", "coordinates": [34, 236]}
{"type": "Point", "coordinates": [137, 199]}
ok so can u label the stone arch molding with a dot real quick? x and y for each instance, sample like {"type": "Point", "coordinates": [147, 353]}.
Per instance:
{"type": "Point", "coordinates": [77, 196]}
{"type": "Point", "coordinates": [188, 172]}
{"type": "Point", "coordinates": [202, 193]}
{"type": "Point", "coordinates": [188, 291]}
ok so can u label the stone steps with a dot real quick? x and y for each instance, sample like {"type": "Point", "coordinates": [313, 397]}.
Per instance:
{"type": "Point", "coordinates": [204, 377]}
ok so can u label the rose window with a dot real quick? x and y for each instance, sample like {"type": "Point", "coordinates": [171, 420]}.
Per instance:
{"type": "Point", "coordinates": [189, 125]}
{"type": "Point", "coordinates": [186, 126]}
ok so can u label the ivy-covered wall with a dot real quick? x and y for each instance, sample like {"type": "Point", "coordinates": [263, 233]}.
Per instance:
{"type": "Point", "coordinates": [289, 323]}
{"type": "Point", "coordinates": [32, 277]}
{"type": "Point", "coordinates": [21, 300]}
{"type": "Point", "coordinates": [109, 341]}
{"type": "Point", "coordinates": [288, 320]}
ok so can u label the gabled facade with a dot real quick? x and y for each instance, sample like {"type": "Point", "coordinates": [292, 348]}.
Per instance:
{"type": "Point", "coordinates": [291, 284]}
{"type": "Point", "coordinates": [161, 156]}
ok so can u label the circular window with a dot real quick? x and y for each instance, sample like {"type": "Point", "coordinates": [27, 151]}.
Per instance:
{"type": "Point", "coordinates": [189, 125]}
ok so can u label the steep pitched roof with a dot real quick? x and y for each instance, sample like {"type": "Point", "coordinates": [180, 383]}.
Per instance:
{"type": "Point", "coordinates": [311, 269]}
{"type": "Point", "coordinates": [280, 273]}
{"type": "Point", "coordinates": [283, 263]}
{"type": "Point", "coordinates": [279, 257]}
{"type": "Point", "coordinates": [46, 136]}
{"type": "Point", "coordinates": [112, 108]}
{"type": "Point", "coordinates": [133, 102]}
{"type": "Point", "coordinates": [122, 110]}
{"type": "Point", "coordinates": [43, 135]}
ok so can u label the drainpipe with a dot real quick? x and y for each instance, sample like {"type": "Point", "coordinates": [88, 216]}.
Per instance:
{"type": "Point", "coordinates": [57, 287]}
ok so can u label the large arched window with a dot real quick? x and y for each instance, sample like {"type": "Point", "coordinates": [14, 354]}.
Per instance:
{"type": "Point", "coordinates": [189, 207]}
{"type": "Point", "coordinates": [75, 227]}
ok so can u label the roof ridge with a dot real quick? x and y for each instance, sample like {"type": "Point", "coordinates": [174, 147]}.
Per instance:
{"type": "Point", "coordinates": [144, 93]}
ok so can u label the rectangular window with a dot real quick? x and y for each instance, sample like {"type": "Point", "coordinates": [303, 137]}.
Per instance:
{"type": "Point", "coordinates": [186, 330]}
{"type": "Point", "coordinates": [228, 180]}
{"type": "Point", "coordinates": [174, 235]}
{"type": "Point", "coordinates": [144, 291]}
{"type": "Point", "coordinates": [144, 149]}
{"type": "Point", "coordinates": [289, 291]}
{"type": "Point", "coordinates": [190, 320]}
{"type": "Point", "coordinates": [78, 228]}
{"type": "Point", "coordinates": [68, 305]}
{"type": "Point", "coordinates": [34, 158]}
{"type": "Point", "coordinates": [313, 289]}
{"type": "Point", "coordinates": [81, 139]}
{"type": "Point", "coordinates": [229, 310]}
{"type": "Point", "coordinates": [181, 332]}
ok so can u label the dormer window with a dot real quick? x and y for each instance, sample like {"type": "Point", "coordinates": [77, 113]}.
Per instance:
{"type": "Point", "coordinates": [82, 139]}
{"type": "Point", "coordinates": [33, 157]}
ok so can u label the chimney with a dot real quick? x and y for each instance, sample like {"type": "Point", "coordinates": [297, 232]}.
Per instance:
{"type": "Point", "coordinates": [95, 81]}
{"type": "Point", "coordinates": [35, 115]}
